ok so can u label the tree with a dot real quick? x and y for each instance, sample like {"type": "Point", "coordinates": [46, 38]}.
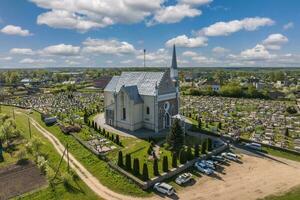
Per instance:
{"type": "Point", "coordinates": [189, 154]}
{"type": "Point", "coordinates": [175, 138]}
{"type": "Point", "coordinates": [182, 156]}
{"type": "Point", "coordinates": [196, 151]}
{"type": "Point", "coordinates": [117, 140]}
{"type": "Point", "coordinates": [286, 133]}
{"type": "Point", "coordinates": [128, 162]}
{"type": "Point", "coordinates": [120, 159]}
{"type": "Point", "coordinates": [220, 126]}
{"type": "Point", "coordinates": [155, 168]}
{"type": "Point", "coordinates": [136, 166]}
{"type": "Point", "coordinates": [199, 123]}
{"type": "Point", "coordinates": [174, 160]}
{"type": "Point", "coordinates": [209, 144]}
{"type": "Point", "coordinates": [165, 164]}
{"type": "Point", "coordinates": [204, 147]}
{"type": "Point", "coordinates": [145, 172]}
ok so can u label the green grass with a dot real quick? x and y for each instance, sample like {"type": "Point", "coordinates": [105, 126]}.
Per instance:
{"type": "Point", "coordinates": [97, 167]}
{"type": "Point", "coordinates": [81, 192]}
{"type": "Point", "coordinates": [293, 194]}
{"type": "Point", "coordinates": [282, 154]}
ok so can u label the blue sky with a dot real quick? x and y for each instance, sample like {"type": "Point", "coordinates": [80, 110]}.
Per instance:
{"type": "Point", "coordinates": [113, 33]}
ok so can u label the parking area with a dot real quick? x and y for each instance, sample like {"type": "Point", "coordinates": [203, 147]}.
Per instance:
{"type": "Point", "coordinates": [252, 178]}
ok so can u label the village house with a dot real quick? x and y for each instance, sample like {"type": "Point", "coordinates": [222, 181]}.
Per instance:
{"type": "Point", "coordinates": [137, 100]}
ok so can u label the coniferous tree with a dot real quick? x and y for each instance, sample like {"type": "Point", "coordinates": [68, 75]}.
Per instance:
{"type": "Point", "coordinates": [204, 147]}
{"type": "Point", "coordinates": [174, 160]}
{"type": "Point", "coordinates": [165, 164]}
{"type": "Point", "coordinates": [182, 156]}
{"type": "Point", "coordinates": [175, 138]}
{"type": "Point", "coordinates": [136, 166]}
{"type": "Point", "coordinates": [209, 144]}
{"type": "Point", "coordinates": [189, 154]}
{"type": "Point", "coordinates": [128, 162]}
{"type": "Point", "coordinates": [196, 151]}
{"type": "Point", "coordinates": [199, 123]}
{"type": "Point", "coordinates": [145, 172]}
{"type": "Point", "coordinates": [155, 168]}
{"type": "Point", "coordinates": [120, 159]}
{"type": "Point", "coordinates": [117, 140]}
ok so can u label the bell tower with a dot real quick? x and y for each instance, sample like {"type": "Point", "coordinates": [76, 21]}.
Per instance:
{"type": "Point", "coordinates": [174, 69]}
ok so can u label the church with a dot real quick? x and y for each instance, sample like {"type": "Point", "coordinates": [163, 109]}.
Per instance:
{"type": "Point", "coordinates": [148, 100]}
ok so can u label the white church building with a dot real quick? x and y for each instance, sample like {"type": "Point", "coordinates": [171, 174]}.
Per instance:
{"type": "Point", "coordinates": [148, 100]}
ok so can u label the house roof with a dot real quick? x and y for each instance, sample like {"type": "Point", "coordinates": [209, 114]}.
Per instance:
{"type": "Point", "coordinates": [144, 81]}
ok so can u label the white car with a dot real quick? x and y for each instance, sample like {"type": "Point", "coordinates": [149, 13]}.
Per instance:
{"type": "Point", "coordinates": [183, 178]}
{"type": "Point", "coordinates": [164, 188]}
{"type": "Point", "coordinates": [230, 156]}
{"type": "Point", "coordinates": [203, 168]}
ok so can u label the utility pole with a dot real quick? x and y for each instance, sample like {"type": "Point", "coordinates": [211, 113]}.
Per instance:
{"type": "Point", "coordinates": [144, 58]}
{"type": "Point", "coordinates": [29, 127]}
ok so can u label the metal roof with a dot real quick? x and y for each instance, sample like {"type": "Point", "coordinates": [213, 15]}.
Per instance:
{"type": "Point", "coordinates": [144, 81]}
{"type": "Point", "coordinates": [133, 93]}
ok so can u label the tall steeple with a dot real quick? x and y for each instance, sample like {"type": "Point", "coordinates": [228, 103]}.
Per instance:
{"type": "Point", "coordinates": [174, 70]}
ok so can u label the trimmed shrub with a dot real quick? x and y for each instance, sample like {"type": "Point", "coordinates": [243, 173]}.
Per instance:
{"type": "Point", "coordinates": [196, 151]}
{"type": "Point", "coordinates": [136, 166]}
{"type": "Point", "coordinates": [128, 162]}
{"type": "Point", "coordinates": [165, 164]}
{"type": "Point", "coordinates": [209, 144]}
{"type": "Point", "coordinates": [145, 172]}
{"type": "Point", "coordinates": [155, 168]}
{"type": "Point", "coordinates": [189, 154]}
{"type": "Point", "coordinates": [120, 159]}
{"type": "Point", "coordinates": [182, 156]}
{"type": "Point", "coordinates": [174, 160]}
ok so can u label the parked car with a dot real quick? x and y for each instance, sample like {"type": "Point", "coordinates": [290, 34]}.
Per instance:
{"type": "Point", "coordinates": [219, 159]}
{"type": "Point", "coordinates": [230, 156]}
{"type": "Point", "coordinates": [255, 146]}
{"type": "Point", "coordinates": [203, 168]}
{"type": "Point", "coordinates": [164, 188]}
{"type": "Point", "coordinates": [209, 163]}
{"type": "Point", "coordinates": [183, 178]}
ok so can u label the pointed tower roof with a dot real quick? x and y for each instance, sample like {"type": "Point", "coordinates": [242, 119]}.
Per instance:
{"type": "Point", "coordinates": [174, 59]}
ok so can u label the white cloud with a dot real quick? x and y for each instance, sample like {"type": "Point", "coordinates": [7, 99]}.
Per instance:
{"type": "Point", "coordinates": [61, 50]}
{"type": "Point", "coordinates": [204, 60]}
{"type": "Point", "coordinates": [259, 52]}
{"type": "Point", "coordinates": [220, 50]}
{"type": "Point", "coordinates": [36, 61]}
{"type": "Point", "coordinates": [160, 57]}
{"type": "Point", "coordinates": [195, 2]}
{"type": "Point", "coordinates": [107, 46]}
{"type": "Point", "coordinates": [189, 54]}
{"type": "Point", "coordinates": [274, 41]}
{"type": "Point", "coordinates": [184, 41]}
{"type": "Point", "coordinates": [288, 26]}
{"type": "Point", "coordinates": [227, 28]}
{"type": "Point", "coordinates": [126, 61]}
{"type": "Point", "coordinates": [173, 14]}
{"type": "Point", "coordinates": [15, 30]}
{"type": "Point", "coordinates": [21, 51]}
{"type": "Point", "coordinates": [6, 58]}
{"type": "Point", "coordinates": [84, 15]}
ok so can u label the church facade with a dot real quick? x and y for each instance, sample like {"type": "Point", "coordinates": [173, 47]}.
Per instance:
{"type": "Point", "coordinates": [148, 100]}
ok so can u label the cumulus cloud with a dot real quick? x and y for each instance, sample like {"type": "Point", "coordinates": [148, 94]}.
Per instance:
{"type": "Point", "coordinates": [36, 61]}
{"type": "Point", "coordinates": [195, 2]}
{"type": "Point", "coordinates": [220, 50]}
{"type": "Point", "coordinates": [101, 46]}
{"type": "Point", "coordinates": [184, 41]}
{"type": "Point", "coordinates": [21, 51]}
{"type": "Point", "coordinates": [6, 58]}
{"type": "Point", "coordinates": [288, 26]}
{"type": "Point", "coordinates": [173, 14]}
{"type": "Point", "coordinates": [189, 54]}
{"type": "Point", "coordinates": [61, 50]}
{"type": "Point", "coordinates": [275, 41]}
{"type": "Point", "coordinates": [259, 52]}
{"type": "Point", "coordinates": [227, 28]}
{"type": "Point", "coordinates": [15, 30]}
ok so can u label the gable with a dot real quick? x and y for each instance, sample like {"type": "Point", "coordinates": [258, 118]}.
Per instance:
{"type": "Point", "coordinates": [166, 84]}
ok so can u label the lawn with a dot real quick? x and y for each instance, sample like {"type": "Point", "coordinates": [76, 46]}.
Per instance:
{"type": "Point", "coordinates": [77, 190]}
{"type": "Point", "coordinates": [293, 194]}
{"type": "Point", "coordinates": [97, 167]}
{"type": "Point", "coordinates": [282, 154]}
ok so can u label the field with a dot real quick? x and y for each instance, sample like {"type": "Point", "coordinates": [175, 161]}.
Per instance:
{"type": "Point", "coordinates": [76, 188]}
{"type": "Point", "coordinates": [293, 194]}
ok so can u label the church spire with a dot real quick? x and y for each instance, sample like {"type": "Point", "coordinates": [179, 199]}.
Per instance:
{"type": "Point", "coordinates": [174, 59]}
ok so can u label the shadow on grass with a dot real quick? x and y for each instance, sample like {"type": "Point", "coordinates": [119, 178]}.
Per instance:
{"type": "Point", "coordinates": [23, 162]}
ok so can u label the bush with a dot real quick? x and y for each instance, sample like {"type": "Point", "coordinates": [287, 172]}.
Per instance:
{"type": "Point", "coordinates": [145, 172]}
{"type": "Point", "coordinates": [120, 159]}
{"type": "Point", "coordinates": [204, 147]}
{"type": "Point", "coordinates": [117, 141]}
{"type": "Point", "coordinates": [155, 168]}
{"type": "Point", "coordinates": [174, 160]}
{"type": "Point", "coordinates": [128, 162]}
{"type": "Point", "coordinates": [209, 144]}
{"type": "Point", "coordinates": [136, 166]}
{"type": "Point", "coordinates": [165, 164]}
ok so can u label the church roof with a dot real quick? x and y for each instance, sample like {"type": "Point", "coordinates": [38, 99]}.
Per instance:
{"type": "Point", "coordinates": [144, 81]}
{"type": "Point", "coordinates": [133, 93]}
